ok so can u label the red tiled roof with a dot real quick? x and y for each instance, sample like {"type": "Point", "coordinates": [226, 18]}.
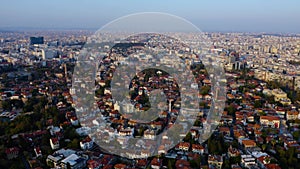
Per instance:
{"type": "Point", "coordinates": [182, 164]}
{"type": "Point", "coordinates": [156, 162]}
{"type": "Point", "coordinates": [12, 150]}
{"type": "Point", "coordinates": [249, 142]}
{"type": "Point", "coordinates": [270, 118]}
{"type": "Point", "coordinates": [120, 166]}
{"type": "Point", "coordinates": [197, 147]}
{"type": "Point", "coordinates": [141, 162]}
{"type": "Point", "coordinates": [54, 140]}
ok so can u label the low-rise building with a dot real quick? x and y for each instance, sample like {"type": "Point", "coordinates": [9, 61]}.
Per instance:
{"type": "Point", "coordinates": [197, 148]}
{"type": "Point", "coordinates": [12, 153]}
{"type": "Point", "coordinates": [73, 162]}
{"type": "Point", "coordinates": [248, 143]}
{"type": "Point", "coordinates": [38, 151]}
{"type": "Point", "coordinates": [54, 143]}
{"type": "Point", "coordinates": [215, 161]}
{"type": "Point", "coordinates": [156, 163]}
{"type": "Point", "coordinates": [270, 121]}
{"type": "Point", "coordinates": [247, 161]}
{"type": "Point", "coordinates": [86, 143]}
{"type": "Point", "coordinates": [292, 115]}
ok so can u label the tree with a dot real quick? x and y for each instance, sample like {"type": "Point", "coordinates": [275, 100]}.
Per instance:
{"type": "Point", "coordinates": [188, 137]}
{"type": "Point", "coordinates": [211, 146]}
{"type": "Point", "coordinates": [194, 164]}
{"type": "Point", "coordinates": [296, 135]}
{"type": "Point", "coordinates": [17, 103]}
{"type": "Point", "coordinates": [288, 158]}
{"type": "Point", "coordinates": [215, 145]}
{"type": "Point", "coordinates": [50, 164]}
{"type": "Point", "coordinates": [274, 84]}
{"type": "Point", "coordinates": [226, 164]}
{"type": "Point", "coordinates": [68, 165]}
{"type": "Point", "coordinates": [273, 142]}
{"type": "Point", "coordinates": [270, 99]}
{"type": "Point", "coordinates": [16, 165]}
{"type": "Point", "coordinates": [241, 88]}
{"type": "Point", "coordinates": [273, 161]}
{"type": "Point", "coordinates": [263, 147]}
{"type": "Point", "coordinates": [6, 105]}
{"type": "Point", "coordinates": [74, 144]}
{"type": "Point", "coordinates": [204, 90]}
{"type": "Point", "coordinates": [45, 139]}
{"type": "Point", "coordinates": [100, 91]}
{"type": "Point", "coordinates": [257, 104]}
{"type": "Point", "coordinates": [70, 133]}
{"type": "Point", "coordinates": [197, 123]}
{"type": "Point", "coordinates": [171, 163]}
{"type": "Point", "coordinates": [231, 110]}
{"type": "Point", "coordinates": [235, 160]}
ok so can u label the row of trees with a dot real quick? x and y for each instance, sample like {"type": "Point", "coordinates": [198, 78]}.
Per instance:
{"type": "Point", "coordinates": [287, 157]}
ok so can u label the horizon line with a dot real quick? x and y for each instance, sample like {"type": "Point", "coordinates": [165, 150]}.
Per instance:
{"type": "Point", "coordinates": [32, 29]}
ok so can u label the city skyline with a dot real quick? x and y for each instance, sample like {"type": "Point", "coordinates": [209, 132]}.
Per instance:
{"type": "Point", "coordinates": [49, 120]}
{"type": "Point", "coordinates": [230, 16]}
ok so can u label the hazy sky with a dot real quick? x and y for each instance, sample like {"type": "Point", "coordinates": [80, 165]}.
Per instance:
{"type": "Point", "coordinates": [209, 15]}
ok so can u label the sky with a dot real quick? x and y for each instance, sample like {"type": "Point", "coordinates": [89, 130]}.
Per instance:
{"type": "Point", "coordinates": [273, 16]}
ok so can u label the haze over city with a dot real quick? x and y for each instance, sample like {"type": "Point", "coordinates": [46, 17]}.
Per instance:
{"type": "Point", "coordinates": [274, 16]}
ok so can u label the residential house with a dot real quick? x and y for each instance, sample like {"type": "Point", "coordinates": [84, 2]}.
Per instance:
{"type": "Point", "coordinates": [73, 162]}
{"type": "Point", "coordinates": [149, 134]}
{"type": "Point", "coordinates": [86, 143]}
{"type": "Point", "coordinates": [292, 115]}
{"type": "Point", "coordinates": [74, 121]}
{"type": "Point", "coordinates": [156, 163]}
{"type": "Point", "coordinates": [120, 166]}
{"type": "Point", "coordinates": [184, 146]}
{"type": "Point", "coordinates": [182, 164]}
{"type": "Point", "coordinates": [248, 143]}
{"type": "Point", "coordinates": [93, 164]}
{"type": "Point", "coordinates": [270, 121]}
{"type": "Point", "coordinates": [126, 132]}
{"type": "Point", "coordinates": [38, 151]}
{"type": "Point", "coordinates": [197, 148]}
{"type": "Point", "coordinates": [247, 161]}
{"type": "Point", "coordinates": [12, 153]}
{"type": "Point", "coordinates": [54, 143]}
{"type": "Point", "coordinates": [215, 161]}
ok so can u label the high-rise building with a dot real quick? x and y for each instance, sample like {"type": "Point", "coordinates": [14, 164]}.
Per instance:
{"type": "Point", "coordinates": [36, 40]}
